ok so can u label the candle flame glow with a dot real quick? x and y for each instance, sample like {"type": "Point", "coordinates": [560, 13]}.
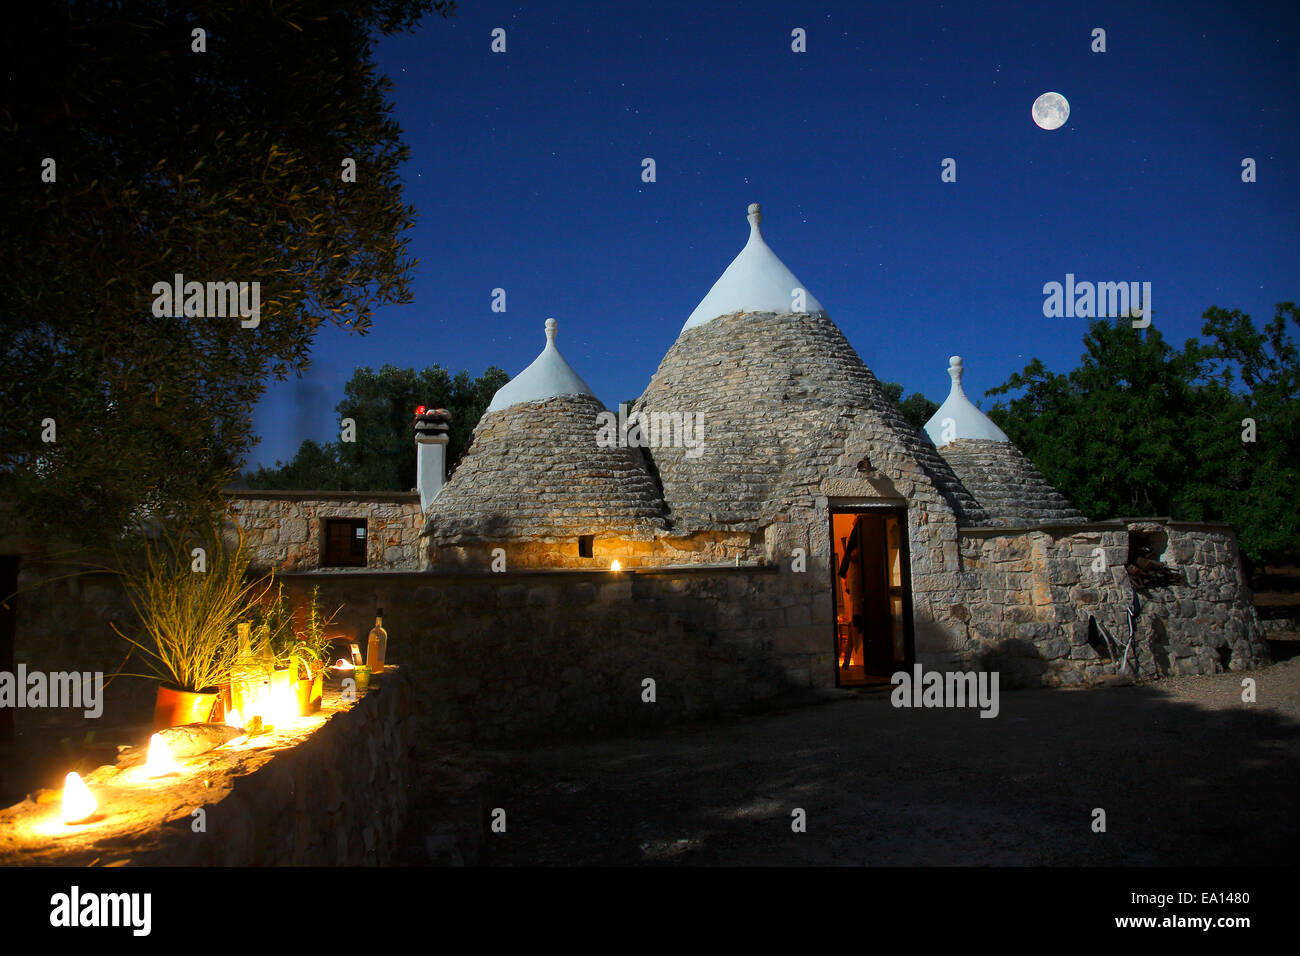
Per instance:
{"type": "Point", "coordinates": [234, 719]}
{"type": "Point", "coordinates": [160, 760]}
{"type": "Point", "coordinates": [616, 566]}
{"type": "Point", "coordinates": [78, 804]}
{"type": "Point", "coordinates": [281, 705]}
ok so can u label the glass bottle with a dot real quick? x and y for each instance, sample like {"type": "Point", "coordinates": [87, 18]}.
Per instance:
{"type": "Point", "coordinates": [378, 644]}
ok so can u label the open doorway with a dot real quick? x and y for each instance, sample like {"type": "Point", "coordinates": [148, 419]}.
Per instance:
{"type": "Point", "coordinates": [872, 595]}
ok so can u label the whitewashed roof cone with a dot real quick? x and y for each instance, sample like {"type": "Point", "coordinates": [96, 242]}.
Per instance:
{"type": "Point", "coordinates": [549, 376]}
{"type": "Point", "coordinates": [967, 421]}
{"type": "Point", "coordinates": [756, 281]}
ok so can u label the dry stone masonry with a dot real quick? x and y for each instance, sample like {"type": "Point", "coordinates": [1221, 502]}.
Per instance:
{"type": "Point", "coordinates": [285, 529]}
{"type": "Point", "coordinates": [534, 470]}
{"type": "Point", "coordinates": [1008, 487]}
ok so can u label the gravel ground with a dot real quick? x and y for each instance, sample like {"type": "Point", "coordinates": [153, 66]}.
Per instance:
{"type": "Point", "coordinates": [1186, 773]}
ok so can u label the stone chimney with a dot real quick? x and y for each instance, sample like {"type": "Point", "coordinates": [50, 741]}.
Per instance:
{"type": "Point", "coordinates": [430, 452]}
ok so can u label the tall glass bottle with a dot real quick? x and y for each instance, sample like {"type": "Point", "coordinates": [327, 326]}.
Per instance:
{"type": "Point", "coordinates": [378, 644]}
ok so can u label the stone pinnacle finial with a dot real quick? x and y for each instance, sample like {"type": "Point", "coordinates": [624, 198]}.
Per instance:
{"type": "Point", "coordinates": [755, 216]}
{"type": "Point", "coordinates": [551, 326]}
{"type": "Point", "coordinates": [955, 369]}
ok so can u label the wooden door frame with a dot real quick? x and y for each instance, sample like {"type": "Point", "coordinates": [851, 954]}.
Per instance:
{"type": "Point", "coordinates": [899, 511]}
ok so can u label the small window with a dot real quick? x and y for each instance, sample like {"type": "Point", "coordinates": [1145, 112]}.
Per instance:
{"type": "Point", "coordinates": [584, 545]}
{"type": "Point", "coordinates": [345, 543]}
{"type": "Point", "coordinates": [1149, 544]}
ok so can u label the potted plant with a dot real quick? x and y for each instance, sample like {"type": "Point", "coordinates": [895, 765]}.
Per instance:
{"type": "Point", "coordinates": [188, 602]}
{"type": "Point", "coordinates": [310, 656]}
{"type": "Point", "coordinates": [296, 658]}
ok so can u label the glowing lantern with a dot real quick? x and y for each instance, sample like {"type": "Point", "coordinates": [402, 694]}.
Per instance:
{"type": "Point", "coordinates": [78, 805]}
{"type": "Point", "coordinates": [419, 409]}
{"type": "Point", "coordinates": [616, 566]}
{"type": "Point", "coordinates": [160, 760]}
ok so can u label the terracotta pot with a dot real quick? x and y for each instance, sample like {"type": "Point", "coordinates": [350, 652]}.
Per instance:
{"type": "Point", "coordinates": [308, 692]}
{"type": "Point", "coordinates": [175, 707]}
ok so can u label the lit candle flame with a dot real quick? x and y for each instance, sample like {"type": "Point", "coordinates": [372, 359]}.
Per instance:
{"type": "Point", "coordinates": [233, 719]}
{"type": "Point", "coordinates": [78, 804]}
{"type": "Point", "coordinates": [160, 760]}
{"type": "Point", "coordinates": [616, 566]}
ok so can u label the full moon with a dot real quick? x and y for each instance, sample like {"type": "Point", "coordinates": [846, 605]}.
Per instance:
{"type": "Point", "coordinates": [1051, 110]}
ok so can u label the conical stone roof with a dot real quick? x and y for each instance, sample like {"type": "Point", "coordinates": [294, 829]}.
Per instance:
{"type": "Point", "coordinates": [1008, 487]}
{"type": "Point", "coordinates": [958, 417]}
{"type": "Point", "coordinates": [784, 398]}
{"type": "Point", "coordinates": [756, 281]}
{"type": "Point", "coordinates": [548, 376]}
{"type": "Point", "coordinates": [534, 469]}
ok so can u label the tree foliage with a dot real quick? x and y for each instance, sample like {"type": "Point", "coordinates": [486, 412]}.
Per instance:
{"type": "Point", "coordinates": [916, 407]}
{"type": "Point", "coordinates": [221, 166]}
{"type": "Point", "coordinates": [1144, 428]}
{"type": "Point", "coordinates": [383, 405]}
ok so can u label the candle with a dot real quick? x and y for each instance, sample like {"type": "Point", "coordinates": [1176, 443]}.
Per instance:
{"type": "Point", "coordinates": [78, 804]}
{"type": "Point", "coordinates": [160, 761]}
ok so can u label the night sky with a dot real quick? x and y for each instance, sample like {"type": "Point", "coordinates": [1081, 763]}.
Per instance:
{"type": "Point", "coordinates": [526, 168]}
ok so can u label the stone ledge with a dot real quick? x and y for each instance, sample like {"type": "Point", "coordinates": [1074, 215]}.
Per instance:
{"type": "Point", "coordinates": [330, 789]}
{"type": "Point", "coordinates": [283, 495]}
{"type": "Point", "coordinates": [601, 573]}
{"type": "Point", "coordinates": [1056, 530]}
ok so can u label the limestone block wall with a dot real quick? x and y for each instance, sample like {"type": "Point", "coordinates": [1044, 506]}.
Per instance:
{"type": "Point", "coordinates": [700, 547]}
{"type": "Point", "coordinates": [340, 798]}
{"type": "Point", "coordinates": [529, 654]}
{"type": "Point", "coordinates": [1023, 601]}
{"type": "Point", "coordinates": [63, 617]}
{"type": "Point", "coordinates": [286, 528]}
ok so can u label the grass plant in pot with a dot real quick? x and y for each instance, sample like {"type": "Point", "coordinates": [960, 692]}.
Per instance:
{"type": "Point", "coordinates": [189, 591]}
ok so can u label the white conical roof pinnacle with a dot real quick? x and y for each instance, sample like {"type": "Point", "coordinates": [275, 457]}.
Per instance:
{"type": "Point", "coordinates": [958, 417]}
{"type": "Point", "coordinates": [756, 281]}
{"type": "Point", "coordinates": [549, 375]}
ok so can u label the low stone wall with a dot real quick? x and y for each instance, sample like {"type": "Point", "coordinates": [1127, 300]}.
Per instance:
{"type": "Point", "coordinates": [285, 529]}
{"type": "Point", "coordinates": [1024, 601]}
{"type": "Point", "coordinates": [338, 795]}
{"type": "Point", "coordinates": [532, 653]}
{"type": "Point", "coordinates": [521, 655]}
{"type": "Point", "coordinates": [64, 624]}
{"type": "Point", "coordinates": [700, 547]}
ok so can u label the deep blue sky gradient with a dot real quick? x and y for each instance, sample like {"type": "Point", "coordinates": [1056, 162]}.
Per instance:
{"type": "Point", "coordinates": [526, 171]}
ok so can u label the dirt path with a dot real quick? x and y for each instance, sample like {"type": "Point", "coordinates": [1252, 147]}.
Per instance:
{"type": "Point", "coordinates": [1186, 772]}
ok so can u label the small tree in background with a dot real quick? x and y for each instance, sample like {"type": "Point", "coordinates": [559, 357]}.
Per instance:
{"type": "Point", "coordinates": [1143, 428]}
{"type": "Point", "coordinates": [383, 403]}
{"type": "Point", "coordinates": [916, 407]}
